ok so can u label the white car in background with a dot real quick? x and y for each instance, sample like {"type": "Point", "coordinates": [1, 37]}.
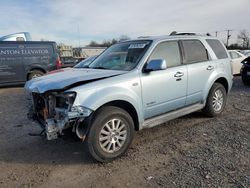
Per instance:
{"type": "Point", "coordinates": [237, 58]}
{"type": "Point", "coordinates": [247, 53]}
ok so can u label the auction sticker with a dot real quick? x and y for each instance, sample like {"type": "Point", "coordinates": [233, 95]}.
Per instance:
{"type": "Point", "coordinates": [137, 45]}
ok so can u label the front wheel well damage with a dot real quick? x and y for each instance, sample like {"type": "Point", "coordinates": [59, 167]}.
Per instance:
{"type": "Point", "coordinates": [83, 127]}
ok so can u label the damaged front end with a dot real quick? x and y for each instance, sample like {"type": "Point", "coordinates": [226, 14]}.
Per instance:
{"type": "Point", "coordinates": [55, 112]}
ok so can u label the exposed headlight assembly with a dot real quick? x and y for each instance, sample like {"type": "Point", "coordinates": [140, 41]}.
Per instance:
{"type": "Point", "coordinates": [65, 100]}
{"type": "Point", "coordinates": [79, 111]}
{"type": "Point", "coordinates": [70, 96]}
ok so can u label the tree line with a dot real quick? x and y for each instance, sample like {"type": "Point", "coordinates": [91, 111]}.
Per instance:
{"type": "Point", "coordinates": [243, 41]}
{"type": "Point", "coordinates": [107, 43]}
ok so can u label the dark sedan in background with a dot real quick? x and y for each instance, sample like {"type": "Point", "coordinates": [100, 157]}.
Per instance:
{"type": "Point", "coordinates": [245, 71]}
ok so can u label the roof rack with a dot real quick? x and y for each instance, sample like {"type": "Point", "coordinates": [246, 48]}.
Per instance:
{"type": "Point", "coordinates": [188, 33]}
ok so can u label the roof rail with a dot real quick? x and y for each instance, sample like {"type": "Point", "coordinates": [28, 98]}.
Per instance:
{"type": "Point", "coordinates": [188, 33]}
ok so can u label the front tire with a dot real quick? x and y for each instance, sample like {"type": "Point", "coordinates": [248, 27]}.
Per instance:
{"type": "Point", "coordinates": [216, 100]}
{"type": "Point", "coordinates": [111, 133]}
{"type": "Point", "coordinates": [35, 74]}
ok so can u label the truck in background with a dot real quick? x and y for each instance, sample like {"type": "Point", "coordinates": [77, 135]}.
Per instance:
{"type": "Point", "coordinates": [21, 36]}
{"type": "Point", "coordinates": [71, 56]}
{"type": "Point", "coordinates": [23, 60]}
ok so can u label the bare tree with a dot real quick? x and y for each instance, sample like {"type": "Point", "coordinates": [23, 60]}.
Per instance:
{"type": "Point", "coordinates": [123, 38]}
{"type": "Point", "coordinates": [244, 37]}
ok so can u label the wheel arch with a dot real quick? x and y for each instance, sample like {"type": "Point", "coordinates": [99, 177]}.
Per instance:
{"type": "Point", "coordinates": [128, 107]}
{"type": "Point", "coordinates": [220, 79]}
{"type": "Point", "coordinates": [223, 81]}
{"type": "Point", "coordinates": [34, 69]}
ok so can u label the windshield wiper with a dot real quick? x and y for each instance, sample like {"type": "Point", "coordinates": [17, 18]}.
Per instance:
{"type": "Point", "coordinates": [98, 67]}
{"type": "Point", "coordinates": [82, 67]}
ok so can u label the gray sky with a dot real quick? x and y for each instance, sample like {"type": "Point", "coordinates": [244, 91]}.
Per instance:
{"type": "Point", "coordinates": [71, 21]}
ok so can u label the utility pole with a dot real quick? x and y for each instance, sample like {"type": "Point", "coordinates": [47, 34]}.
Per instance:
{"type": "Point", "coordinates": [228, 36]}
{"type": "Point", "coordinates": [78, 32]}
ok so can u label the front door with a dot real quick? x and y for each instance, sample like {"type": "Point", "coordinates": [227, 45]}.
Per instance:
{"type": "Point", "coordinates": [164, 90]}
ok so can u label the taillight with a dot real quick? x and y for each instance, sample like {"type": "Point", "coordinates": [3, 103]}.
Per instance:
{"type": "Point", "coordinates": [58, 63]}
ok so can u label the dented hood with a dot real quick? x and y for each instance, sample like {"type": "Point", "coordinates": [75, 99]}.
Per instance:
{"type": "Point", "coordinates": [67, 78]}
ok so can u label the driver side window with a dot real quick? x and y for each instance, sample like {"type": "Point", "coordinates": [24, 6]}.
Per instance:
{"type": "Point", "coordinates": [168, 51]}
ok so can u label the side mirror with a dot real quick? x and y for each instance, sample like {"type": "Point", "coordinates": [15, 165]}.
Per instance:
{"type": "Point", "coordinates": [155, 65]}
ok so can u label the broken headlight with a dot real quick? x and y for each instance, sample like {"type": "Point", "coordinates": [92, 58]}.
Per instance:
{"type": "Point", "coordinates": [81, 111]}
{"type": "Point", "coordinates": [65, 100]}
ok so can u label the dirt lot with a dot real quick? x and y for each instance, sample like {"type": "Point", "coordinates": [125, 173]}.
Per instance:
{"type": "Point", "coordinates": [193, 151]}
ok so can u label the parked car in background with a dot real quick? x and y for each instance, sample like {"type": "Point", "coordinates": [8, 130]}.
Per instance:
{"type": "Point", "coordinates": [69, 62]}
{"type": "Point", "coordinates": [131, 86]}
{"type": "Point", "coordinates": [22, 61]}
{"type": "Point", "coordinates": [85, 63]}
{"type": "Point", "coordinates": [244, 51]}
{"type": "Point", "coordinates": [247, 53]}
{"type": "Point", "coordinates": [245, 71]}
{"type": "Point", "coordinates": [237, 58]}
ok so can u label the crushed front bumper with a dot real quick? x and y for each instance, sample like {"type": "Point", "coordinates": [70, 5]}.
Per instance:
{"type": "Point", "coordinates": [55, 113]}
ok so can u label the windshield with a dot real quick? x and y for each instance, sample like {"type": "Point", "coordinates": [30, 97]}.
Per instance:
{"type": "Point", "coordinates": [122, 56]}
{"type": "Point", "coordinates": [85, 63]}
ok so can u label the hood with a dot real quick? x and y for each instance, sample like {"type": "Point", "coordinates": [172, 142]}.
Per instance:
{"type": "Point", "coordinates": [68, 78]}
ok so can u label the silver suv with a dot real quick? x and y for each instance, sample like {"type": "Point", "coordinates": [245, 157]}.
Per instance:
{"type": "Point", "coordinates": [133, 85]}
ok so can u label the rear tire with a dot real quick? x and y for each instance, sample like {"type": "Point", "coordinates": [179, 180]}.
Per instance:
{"type": "Point", "coordinates": [216, 100]}
{"type": "Point", "coordinates": [110, 134]}
{"type": "Point", "coordinates": [35, 74]}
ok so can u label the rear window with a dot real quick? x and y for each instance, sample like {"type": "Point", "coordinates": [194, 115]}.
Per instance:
{"type": "Point", "coordinates": [218, 48]}
{"type": "Point", "coordinates": [194, 51]}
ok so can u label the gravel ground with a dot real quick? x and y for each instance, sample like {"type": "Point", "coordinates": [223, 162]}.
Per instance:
{"type": "Point", "coordinates": [192, 151]}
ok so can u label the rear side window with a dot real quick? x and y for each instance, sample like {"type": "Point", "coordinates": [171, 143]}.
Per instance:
{"type": "Point", "coordinates": [234, 55]}
{"type": "Point", "coordinates": [218, 48]}
{"type": "Point", "coordinates": [169, 51]}
{"type": "Point", "coordinates": [194, 51]}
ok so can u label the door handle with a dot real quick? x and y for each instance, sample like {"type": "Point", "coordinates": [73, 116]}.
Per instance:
{"type": "Point", "coordinates": [179, 74]}
{"type": "Point", "coordinates": [210, 67]}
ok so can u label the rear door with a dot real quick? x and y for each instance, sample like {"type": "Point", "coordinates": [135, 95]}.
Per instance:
{"type": "Point", "coordinates": [164, 90]}
{"type": "Point", "coordinates": [11, 62]}
{"type": "Point", "coordinates": [199, 69]}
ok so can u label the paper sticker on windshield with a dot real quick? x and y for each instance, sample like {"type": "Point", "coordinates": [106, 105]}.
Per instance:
{"type": "Point", "coordinates": [138, 45]}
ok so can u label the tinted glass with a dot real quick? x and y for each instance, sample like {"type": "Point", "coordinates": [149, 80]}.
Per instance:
{"type": "Point", "coordinates": [218, 48]}
{"type": "Point", "coordinates": [194, 51]}
{"type": "Point", "coordinates": [169, 51]}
